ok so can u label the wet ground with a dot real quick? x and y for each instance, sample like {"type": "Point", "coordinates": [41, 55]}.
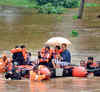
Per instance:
{"type": "Point", "coordinates": [24, 26]}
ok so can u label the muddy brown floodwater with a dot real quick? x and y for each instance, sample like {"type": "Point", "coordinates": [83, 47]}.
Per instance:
{"type": "Point", "coordinates": [23, 26]}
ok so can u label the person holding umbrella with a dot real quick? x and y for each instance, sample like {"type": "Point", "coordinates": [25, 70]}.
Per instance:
{"type": "Point", "coordinates": [65, 55]}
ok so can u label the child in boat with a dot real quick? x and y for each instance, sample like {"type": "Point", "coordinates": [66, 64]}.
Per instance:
{"type": "Point", "coordinates": [90, 63]}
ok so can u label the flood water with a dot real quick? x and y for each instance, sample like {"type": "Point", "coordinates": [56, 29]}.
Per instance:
{"type": "Point", "coordinates": [23, 26]}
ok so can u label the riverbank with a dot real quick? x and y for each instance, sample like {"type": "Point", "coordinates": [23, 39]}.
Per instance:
{"type": "Point", "coordinates": [18, 3]}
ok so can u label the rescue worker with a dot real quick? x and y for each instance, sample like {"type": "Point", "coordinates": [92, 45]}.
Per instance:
{"type": "Point", "coordinates": [2, 65]}
{"type": "Point", "coordinates": [7, 63]}
{"type": "Point", "coordinates": [18, 58]}
{"type": "Point", "coordinates": [45, 56]}
{"type": "Point", "coordinates": [40, 73]}
{"type": "Point", "coordinates": [24, 51]}
{"type": "Point", "coordinates": [14, 53]}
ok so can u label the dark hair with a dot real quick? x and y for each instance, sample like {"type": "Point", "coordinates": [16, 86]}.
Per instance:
{"type": "Point", "coordinates": [90, 58]}
{"type": "Point", "coordinates": [22, 46]}
{"type": "Point", "coordinates": [47, 47]}
{"type": "Point", "coordinates": [64, 44]}
{"type": "Point", "coordinates": [16, 46]}
{"type": "Point", "coordinates": [30, 54]}
{"type": "Point", "coordinates": [58, 47]}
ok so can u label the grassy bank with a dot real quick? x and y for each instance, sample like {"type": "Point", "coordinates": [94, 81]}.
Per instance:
{"type": "Point", "coordinates": [18, 3]}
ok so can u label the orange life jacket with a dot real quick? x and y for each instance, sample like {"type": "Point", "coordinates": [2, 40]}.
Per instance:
{"type": "Point", "coordinates": [36, 77]}
{"type": "Point", "coordinates": [56, 53]}
{"type": "Point", "coordinates": [94, 64]}
{"type": "Point", "coordinates": [43, 70]}
{"type": "Point", "coordinates": [45, 56]}
{"type": "Point", "coordinates": [9, 65]}
{"type": "Point", "coordinates": [18, 49]}
{"type": "Point", "coordinates": [43, 73]}
{"type": "Point", "coordinates": [2, 66]}
{"type": "Point", "coordinates": [79, 72]}
{"type": "Point", "coordinates": [24, 51]}
{"type": "Point", "coordinates": [13, 50]}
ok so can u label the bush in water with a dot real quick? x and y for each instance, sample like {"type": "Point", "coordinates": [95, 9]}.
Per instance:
{"type": "Point", "coordinates": [49, 8]}
{"type": "Point", "coordinates": [74, 33]}
{"type": "Point", "coordinates": [55, 6]}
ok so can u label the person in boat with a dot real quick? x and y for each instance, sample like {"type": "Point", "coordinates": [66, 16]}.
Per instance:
{"type": "Point", "coordinates": [40, 72]}
{"type": "Point", "coordinates": [90, 63]}
{"type": "Point", "coordinates": [7, 62]}
{"type": "Point", "coordinates": [44, 56]}
{"type": "Point", "coordinates": [24, 52]}
{"type": "Point", "coordinates": [17, 56]}
{"type": "Point", "coordinates": [14, 53]}
{"type": "Point", "coordinates": [4, 63]}
{"type": "Point", "coordinates": [56, 58]}
{"type": "Point", "coordinates": [28, 59]}
{"type": "Point", "coordinates": [65, 55]}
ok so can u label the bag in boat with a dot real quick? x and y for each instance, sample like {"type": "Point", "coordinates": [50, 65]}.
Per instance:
{"type": "Point", "coordinates": [59, 71]}
{"type": "Point", "coordinates": [79, 72]}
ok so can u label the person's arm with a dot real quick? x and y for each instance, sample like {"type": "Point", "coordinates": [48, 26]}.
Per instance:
{"type": "Point", "coordinates": [69, 57]}
{"type": "Point", "coordinates": [54, 65]}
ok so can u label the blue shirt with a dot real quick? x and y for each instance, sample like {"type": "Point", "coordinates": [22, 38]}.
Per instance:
{"type": "Point", "coordinates": [66, 56]}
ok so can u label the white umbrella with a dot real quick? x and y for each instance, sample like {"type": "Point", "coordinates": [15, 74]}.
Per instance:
{"type": "Point", "coordinates": [57, 41]}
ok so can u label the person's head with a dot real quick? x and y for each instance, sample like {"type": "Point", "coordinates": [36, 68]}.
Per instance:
{"type": "Point", "coordinates": [64, 46]}
{"type": "Point", "coordinates": [30, 54]}
{"type": "Point", "coordinates": [57, 48]}
{"type": "Point", "coordinates": [23, 46]}
{"type": "Point", "coordinates": [47, 48]}
{"type": "Point", "coordinates": [4, 57]}
{"type": "Point", "coordinates": [90, 59]}
{"type": "Point", "coordinates": [16, 46]}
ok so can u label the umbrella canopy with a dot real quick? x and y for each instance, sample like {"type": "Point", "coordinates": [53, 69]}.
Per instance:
{"type": "Point", "coordinates": [57, 41]}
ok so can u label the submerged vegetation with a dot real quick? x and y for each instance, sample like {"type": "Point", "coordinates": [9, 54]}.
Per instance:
{"type": "Point", "coordinates": [74, 33]}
